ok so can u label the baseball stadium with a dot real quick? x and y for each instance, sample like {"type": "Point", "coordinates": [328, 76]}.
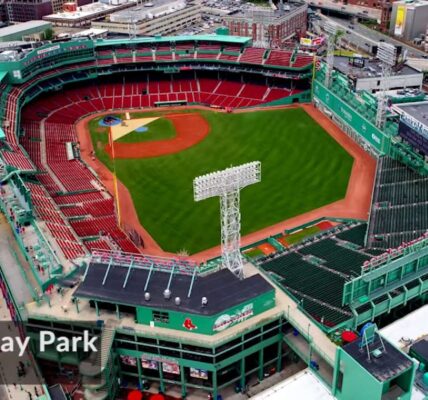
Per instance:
{"type": "Point", "coordinates": [101, 142]}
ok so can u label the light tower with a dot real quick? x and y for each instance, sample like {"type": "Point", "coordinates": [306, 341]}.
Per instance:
{"type": "Point", "coordinates": [387, 54]}
{"type": "Point", "coordinates": [331, 29]}
{"type": "Point", "coordinates": [227, 184]}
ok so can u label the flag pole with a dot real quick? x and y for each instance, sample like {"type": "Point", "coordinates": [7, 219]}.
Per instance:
{"type": "Point", "coordinates": [116, 190]}
{"type": "Point", "coordinates": [313, 76]}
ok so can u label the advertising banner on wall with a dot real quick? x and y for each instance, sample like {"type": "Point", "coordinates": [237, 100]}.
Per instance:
{"type": "Point", "coordinates": [345, 112]}
{"type": "Point", "coordinates": [128, 360]}
{"type": "Point", "coordinates": [198, 373]}
{"type": "Point", "coordinates": [400, 20]}
{"type": "Point", "coordinates": [171, 368]}
{"type": "Point", "coordinates": [149, 364]}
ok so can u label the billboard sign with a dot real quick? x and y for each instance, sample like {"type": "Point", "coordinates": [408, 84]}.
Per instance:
{"type": "Point", "coordinates": [419, 127]}
{"type": "Point", "coordinates": [412, 136]}
{"type": "Point", "coordinates": [227, 320]}
{"type": "Point", "coordinates": [400, 20]}
{"type": "Point", "coordinates": [306, 41]}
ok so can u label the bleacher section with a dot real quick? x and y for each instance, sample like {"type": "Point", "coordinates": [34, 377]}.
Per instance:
{"type": "Point", "coordinates": [315, 271]}
{"type": "Point", "coordinates": [400, 205]}
{"type": "Point", "coordinates": [68, 106]}
{"type": "Point", "coordinates": [86, 204]}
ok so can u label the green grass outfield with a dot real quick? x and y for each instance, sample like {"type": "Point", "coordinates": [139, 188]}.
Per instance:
{"type": "Point", "coordinates": [303, 168]}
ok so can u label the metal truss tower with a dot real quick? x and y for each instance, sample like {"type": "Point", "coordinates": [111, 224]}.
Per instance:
{"type": "Point", "coordinates": [387, 54]}
{"type": "Point", "coordinates": [227, 184]}
{"type": "Point", "coordinates": [331, 29]}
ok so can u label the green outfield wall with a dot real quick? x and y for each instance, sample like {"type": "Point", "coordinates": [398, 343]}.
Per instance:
{"type": "Point", "coordinates": [365, 128]}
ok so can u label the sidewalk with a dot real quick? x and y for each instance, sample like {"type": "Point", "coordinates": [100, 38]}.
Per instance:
{"type": "Point", "coordinates": [14, 390]}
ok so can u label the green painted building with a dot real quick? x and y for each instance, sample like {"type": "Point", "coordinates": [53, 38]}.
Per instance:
{"type": "Point", "coordinates": [192, 330]}
{"type": "Point", "coordinates": [374, 370]}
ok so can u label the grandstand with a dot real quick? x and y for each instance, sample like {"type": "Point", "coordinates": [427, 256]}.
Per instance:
{"type": "Point", "coordinates": [216, 333]}
{"type": "Point", "coordinates": [399, 211]}
{"type": "Point", "coordinates": [314, 272]}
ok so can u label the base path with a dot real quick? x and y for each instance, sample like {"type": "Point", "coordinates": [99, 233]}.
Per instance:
{"type": "Point", "coordinates": [190, 129]}
{"type": "Point", "coordinates": [356, 203]}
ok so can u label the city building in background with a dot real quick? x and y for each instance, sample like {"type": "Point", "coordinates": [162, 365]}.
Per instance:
{"type": "Point", "coordinates": [76, 17]}
{"type": "Point", "coordinates": [23, 10]}
{"type": "Point", "coordinates": [409, 19]}
{"type": "Point", "coordinates": [158, 18]}
{"type": "Point", "coordinates": [269, 27]}
{"type": "Point", "coordinates": [31, 30]}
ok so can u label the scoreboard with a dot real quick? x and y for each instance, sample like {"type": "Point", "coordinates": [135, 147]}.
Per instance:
{"type": "Point", "coordinates": [413, 136]}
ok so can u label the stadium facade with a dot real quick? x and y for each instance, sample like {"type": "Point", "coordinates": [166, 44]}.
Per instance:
{"type": "Point", "coordinates": [196, 329]}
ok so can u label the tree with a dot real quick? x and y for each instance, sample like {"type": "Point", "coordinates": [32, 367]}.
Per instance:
{"type": "Point", "coordinates": [338, 35]}
{"type": "Point", "coordinates": [48, 34]}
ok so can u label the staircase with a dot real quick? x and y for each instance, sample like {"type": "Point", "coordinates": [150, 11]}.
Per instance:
{"type": "Point", "coordinates": [43, 158]}
{"type": "Point", "coordinates": [96, 370]}
{"type": "Point", "coordinates": [3, 171]}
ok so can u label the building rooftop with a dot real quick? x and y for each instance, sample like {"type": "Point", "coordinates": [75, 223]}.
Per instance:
{"type": "Point", "coordinates": [12, 29]}
{"type": "Point", "coordinates": [266, 13]}
{"type": "Point", "coordinates": [413, 3]}
{"type": "Point", "coordinates": [304, 385]}
{"type": "Point", "coordinates": [222, 289]}
{"type": "Point", "coordinates": [407, 329]}
{"type": "Point", "coordinates": [387, 365]}
{"type": "Point", "coordinates": [141, 12]}
{"type": "Point", "coordinates": [62, 307]}
{"type": "Point", "coordinates": [371, 69]}
{"type": "Point", "coordinates": [418, 111]}
{"type": "Point", "coordinates": [421, 348]}
{"type": "Point", "coordinates": [86, 11]}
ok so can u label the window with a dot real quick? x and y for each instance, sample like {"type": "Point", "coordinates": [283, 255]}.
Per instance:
{"type": "Point", "coordinates": [159, 316]}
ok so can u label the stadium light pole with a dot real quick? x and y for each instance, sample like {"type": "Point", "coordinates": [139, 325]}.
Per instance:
{"type": "Point", "coordinates": [116, 189]}
{"type": "Point", "coordinates": [331, 29]}
{"type": "Point", "coordinates": [387, 54]}
{"type": "Point", "coordinates": [227, 184]}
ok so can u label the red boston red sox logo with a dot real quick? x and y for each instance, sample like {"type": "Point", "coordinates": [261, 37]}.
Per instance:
{"type": "Point", "coordinates": [188, 324]}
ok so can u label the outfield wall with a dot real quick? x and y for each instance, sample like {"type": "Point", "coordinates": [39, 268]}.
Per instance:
{"type": "Point", "coordinates": [364, 128]}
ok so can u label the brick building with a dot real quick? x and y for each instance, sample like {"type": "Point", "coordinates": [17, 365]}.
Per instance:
{"type": "Point", "coordinates": [269, 27]}
{"type": "Point", "coordinates": [30, 10]}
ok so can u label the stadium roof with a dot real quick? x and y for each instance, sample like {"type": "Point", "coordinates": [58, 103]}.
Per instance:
{"type": "Point", "coordinates": [222, 289]}
{"type": "Point", "coordinates": [168, 39]}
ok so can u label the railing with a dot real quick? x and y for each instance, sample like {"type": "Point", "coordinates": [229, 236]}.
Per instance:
{"type": "Point", "coordinates": [141, 261]}
{"type": "Point", "coordinates": [306, 333]}
{"type": "Point", "coordinates": [392, 254]}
